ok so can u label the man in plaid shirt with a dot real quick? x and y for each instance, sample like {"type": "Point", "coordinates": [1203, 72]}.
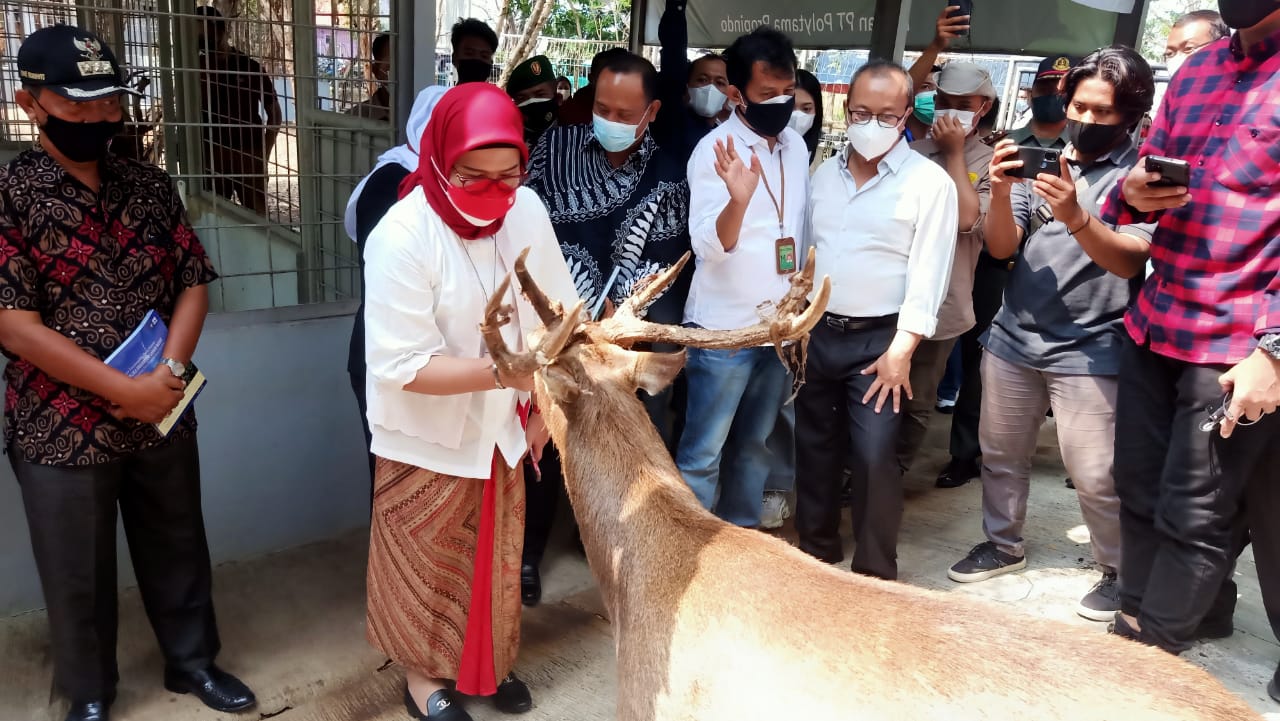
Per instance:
{"type": "Point", "coordinates": [1207, 324]}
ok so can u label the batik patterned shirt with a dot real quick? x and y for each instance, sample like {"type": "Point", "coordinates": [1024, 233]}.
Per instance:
{"type": "Point", "coordinates": [91, 264]}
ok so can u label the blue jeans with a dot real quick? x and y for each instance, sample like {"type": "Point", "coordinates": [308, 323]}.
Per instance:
{"type": "Point", "coordinates": [950, 387]}
{"type": "Point", "coordinates": [734, 399]}
{"type": "Point", "coordinates": [782, 447]}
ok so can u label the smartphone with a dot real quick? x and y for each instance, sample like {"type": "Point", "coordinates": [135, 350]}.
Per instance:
{"type": "Point", "coordinates": [1036, 160]}
{"type": "Point", "coordinates": [1173, 172]}
{"type": "Point", "coordinates": [966, 8]}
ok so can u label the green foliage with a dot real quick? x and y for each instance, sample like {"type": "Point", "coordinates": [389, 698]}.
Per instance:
{"type": "Point", "coordinates": [581, 19]}
{"type": "Point", "coordinates": [1160, 17]}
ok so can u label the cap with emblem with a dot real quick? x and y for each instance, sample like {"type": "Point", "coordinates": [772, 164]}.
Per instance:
{"type": "Point", "coordinates": [1055, 66]}
{"type": "Point", "coordinates": [534, 71]}
{"type": "Point", "coordinates": [71, 62]}
{"type": "Point", "coordinates": [960, 78]}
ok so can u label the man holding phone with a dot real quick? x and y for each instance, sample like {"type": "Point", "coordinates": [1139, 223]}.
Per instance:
{"type": "Point", "coordinates": [1055, 342]}
{"type": "Point", "coordinates": [1207, 323]}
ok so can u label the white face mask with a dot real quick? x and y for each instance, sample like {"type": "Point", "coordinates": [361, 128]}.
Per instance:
{"type": "Point", "coordinates": [707, 100]}
{"type": "Point", "coordinates": [1174, 63]}
{"type": "Point", "coordinates": [801, 122]}
{"type": "Point", "coordinates": [964, 116]}
{"type": "Point", "coordinates": [872, 141]}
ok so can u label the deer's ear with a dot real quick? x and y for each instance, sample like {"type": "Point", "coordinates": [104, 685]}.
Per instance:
{"type": "Point", "coordinates": [560, 384]}
{"type": "Point", "coordinates": [655, 371]}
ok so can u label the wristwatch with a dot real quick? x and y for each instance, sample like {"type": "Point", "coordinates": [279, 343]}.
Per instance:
{"type": "Point", "coordinates": [178, 368]}
{"type": "Point", "coordinates": [1270, 344]}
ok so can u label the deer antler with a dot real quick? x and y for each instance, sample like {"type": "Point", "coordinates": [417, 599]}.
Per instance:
{"type": "Point", "coordinates": [792, 322]}
{"type": "Point", "coordinates": [559, 327]}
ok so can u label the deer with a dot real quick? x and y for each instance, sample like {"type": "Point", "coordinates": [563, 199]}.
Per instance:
{"type": "Point", "coordinates": [718, 623]}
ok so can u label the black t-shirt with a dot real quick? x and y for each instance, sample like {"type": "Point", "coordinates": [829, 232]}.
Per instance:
{"type": "Point", "coordinates": [233, 90]}
{"type": "Point", "coordinates": [379, 194]}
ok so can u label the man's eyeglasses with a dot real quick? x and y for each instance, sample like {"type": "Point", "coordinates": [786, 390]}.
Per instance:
{"type": "Point", "coordinates": [1170, 54]}
{"type": "Point", "coordinates": [885, 120]}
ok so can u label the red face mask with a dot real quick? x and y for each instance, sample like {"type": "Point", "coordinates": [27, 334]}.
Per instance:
{"type": "Point", "coordinates": [480, 202]}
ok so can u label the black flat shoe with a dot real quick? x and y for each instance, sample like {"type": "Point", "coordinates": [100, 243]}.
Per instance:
{"type": "Point", "coordinates": [513, 696]}
{"type": "Point", "coordinates": [441, 706]}
{"type": "Point", "coordinates": [957, 473]}
{"type": "Point", "coordinates": [89, 711]}
{"type": "Point", "coordinates": [530, 585]}
{"type": "Point", "coordinates": [215, 688]}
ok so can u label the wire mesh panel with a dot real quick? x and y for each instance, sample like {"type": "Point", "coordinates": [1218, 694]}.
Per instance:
{"type": "Point", "coordinates": [267, 113]}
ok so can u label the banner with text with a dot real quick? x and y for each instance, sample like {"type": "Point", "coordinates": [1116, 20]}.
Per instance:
{"type": "Point", "coordinates": [1019, 27]}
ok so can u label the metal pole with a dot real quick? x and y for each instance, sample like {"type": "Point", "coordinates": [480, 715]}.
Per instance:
{"type": "Point", "coordinates": [422, 26]}
{"type": "Point", "coordinates": [403, 70]}
{"type": "Point", "coordinates": [639, 10]}
{"type": "Point", "coordinates": [889, 30]}
{"type": "Point", "coordinates": [1129, 25]}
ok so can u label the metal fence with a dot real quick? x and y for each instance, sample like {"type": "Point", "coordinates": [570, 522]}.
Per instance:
{"type": "Point", "coordinates": [266, 137]}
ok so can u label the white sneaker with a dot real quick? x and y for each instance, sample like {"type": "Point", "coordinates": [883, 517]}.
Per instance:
{"type": "Point", "coordinates": [775, 511]}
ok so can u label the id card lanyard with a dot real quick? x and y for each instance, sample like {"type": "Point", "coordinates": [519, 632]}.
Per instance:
{"type": "Point", "coordinates": [785, 246]}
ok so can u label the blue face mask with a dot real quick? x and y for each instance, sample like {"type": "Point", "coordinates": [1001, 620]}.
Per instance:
{"type": "Point", "coordinates": [923, 109]}
{"type": "Point", "coordinates": [616, 137]}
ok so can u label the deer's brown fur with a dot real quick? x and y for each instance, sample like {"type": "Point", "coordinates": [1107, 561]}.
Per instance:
{"type": "Point", "coordinates": [716, 623]}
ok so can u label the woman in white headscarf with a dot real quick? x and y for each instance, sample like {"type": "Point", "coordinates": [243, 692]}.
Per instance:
{"type": "Point", "coordinates": [368, 203]}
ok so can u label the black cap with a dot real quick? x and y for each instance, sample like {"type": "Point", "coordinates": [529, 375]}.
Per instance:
{"type": "Point", "coordinates": [1055, 66]}
{"type": "Point", "coordinates": [71, 62]}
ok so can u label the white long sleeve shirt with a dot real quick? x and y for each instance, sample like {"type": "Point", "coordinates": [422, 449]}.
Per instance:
{"type": "Point", "coordinates": [426, 289]}
{"type": "Point", "coordinates": [890, 244]}
{"type": "Point", "coordinates": [729, 285]}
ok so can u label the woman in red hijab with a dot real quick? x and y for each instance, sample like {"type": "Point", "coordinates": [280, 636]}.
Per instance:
{"type": "Point", "coordinates": [444, 552]}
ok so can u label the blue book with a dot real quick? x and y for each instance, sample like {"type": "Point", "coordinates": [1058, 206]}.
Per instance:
{"type": "Point", "coordinates": [142, 351]}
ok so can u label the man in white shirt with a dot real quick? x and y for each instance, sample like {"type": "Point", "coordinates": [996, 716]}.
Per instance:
{"type": "Point", "coordinates": [883, 219]}
{"type": "Point", "coordinates": [748, 182]}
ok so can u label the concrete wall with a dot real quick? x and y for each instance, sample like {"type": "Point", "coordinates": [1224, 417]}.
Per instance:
{"type": "Point", "coordinates": [280, 442]}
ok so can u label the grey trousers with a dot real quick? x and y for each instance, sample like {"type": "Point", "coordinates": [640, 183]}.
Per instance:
{"type": "Point", "coordinates": [928, 365]}
{"type": "Point", "coordinates": [1014, 402]}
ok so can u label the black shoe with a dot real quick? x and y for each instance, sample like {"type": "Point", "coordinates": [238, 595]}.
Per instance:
{"type": "Point", "coordinates": [442, 705]}
{"type": "Point", "coordinates": [1215, 628]}
{"type": "Point", "coordinates": [513, 696]}
{"type": "Point", "coordinates": [1102, 601]}
{"type": "Point", "coordinates": [215, 688]}
{"type": "Point", "coordinates": [1273, 688]}
{"type": "Point", "coordinates": [985, 561]}
{"type": "Point", "coordinates": [89, 711]}
{"type": "Point", "coordinates": [1120, 627]}
{"type": "Point", "coordinates": [957, 473]}
{"type": "Point", "coordinates": [1070, 484]}
{"type": "Point", "coordinates": [530, 585]}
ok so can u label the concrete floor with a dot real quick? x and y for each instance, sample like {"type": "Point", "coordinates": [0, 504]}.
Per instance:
{"type": "Point", "coordinates": [293, 623]}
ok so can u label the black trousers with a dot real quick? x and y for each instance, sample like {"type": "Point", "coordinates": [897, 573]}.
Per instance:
{"type": "Point", "coordinates": [1188, 497]}
{"type": "Point", "coordinates": [989, 281]}
{"type": "Point", "coordinates": [541, 499]}
{"type": "Point", "coordinates": [830, 420]}
{"type": "Point", "coordinates": [71, 512]}
{"type": "Point", "coordinates": [362, 402]}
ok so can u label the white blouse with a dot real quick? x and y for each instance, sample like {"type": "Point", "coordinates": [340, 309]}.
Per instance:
{"type": "Point", "coordinates": [426, 289]}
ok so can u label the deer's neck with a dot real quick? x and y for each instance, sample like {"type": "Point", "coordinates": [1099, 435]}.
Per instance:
{"type": "Point", "coordinates": [633, 507]}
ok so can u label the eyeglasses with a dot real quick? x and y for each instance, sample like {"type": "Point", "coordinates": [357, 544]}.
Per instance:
{"type": "Point", "coordinates": [885, 120]}
{"type": "Point", "coordinates": [1170, 54]}
{"type": "Point", "coordinates": [480, 184]}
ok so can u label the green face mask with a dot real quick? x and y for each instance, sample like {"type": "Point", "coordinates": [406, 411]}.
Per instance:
{"type": "Point", "coordinates": [924, 107]}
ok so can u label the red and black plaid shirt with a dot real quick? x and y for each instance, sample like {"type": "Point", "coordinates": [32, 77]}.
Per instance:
{"type": "Point", "coordinates": [1215, 288]}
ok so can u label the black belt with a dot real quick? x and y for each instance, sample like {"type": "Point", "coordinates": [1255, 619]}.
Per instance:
{"type": "Point", "coordinates": [989, 262]}
{"type": "Point", "coordinates": [845, 324]}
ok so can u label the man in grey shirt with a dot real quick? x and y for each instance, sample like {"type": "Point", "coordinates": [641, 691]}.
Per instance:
{"type": "Point", "coordinates": [1056, 342]}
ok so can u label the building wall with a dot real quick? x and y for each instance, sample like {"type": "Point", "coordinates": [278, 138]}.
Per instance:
{"type": "Point", "coordinates": [280, 441]}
